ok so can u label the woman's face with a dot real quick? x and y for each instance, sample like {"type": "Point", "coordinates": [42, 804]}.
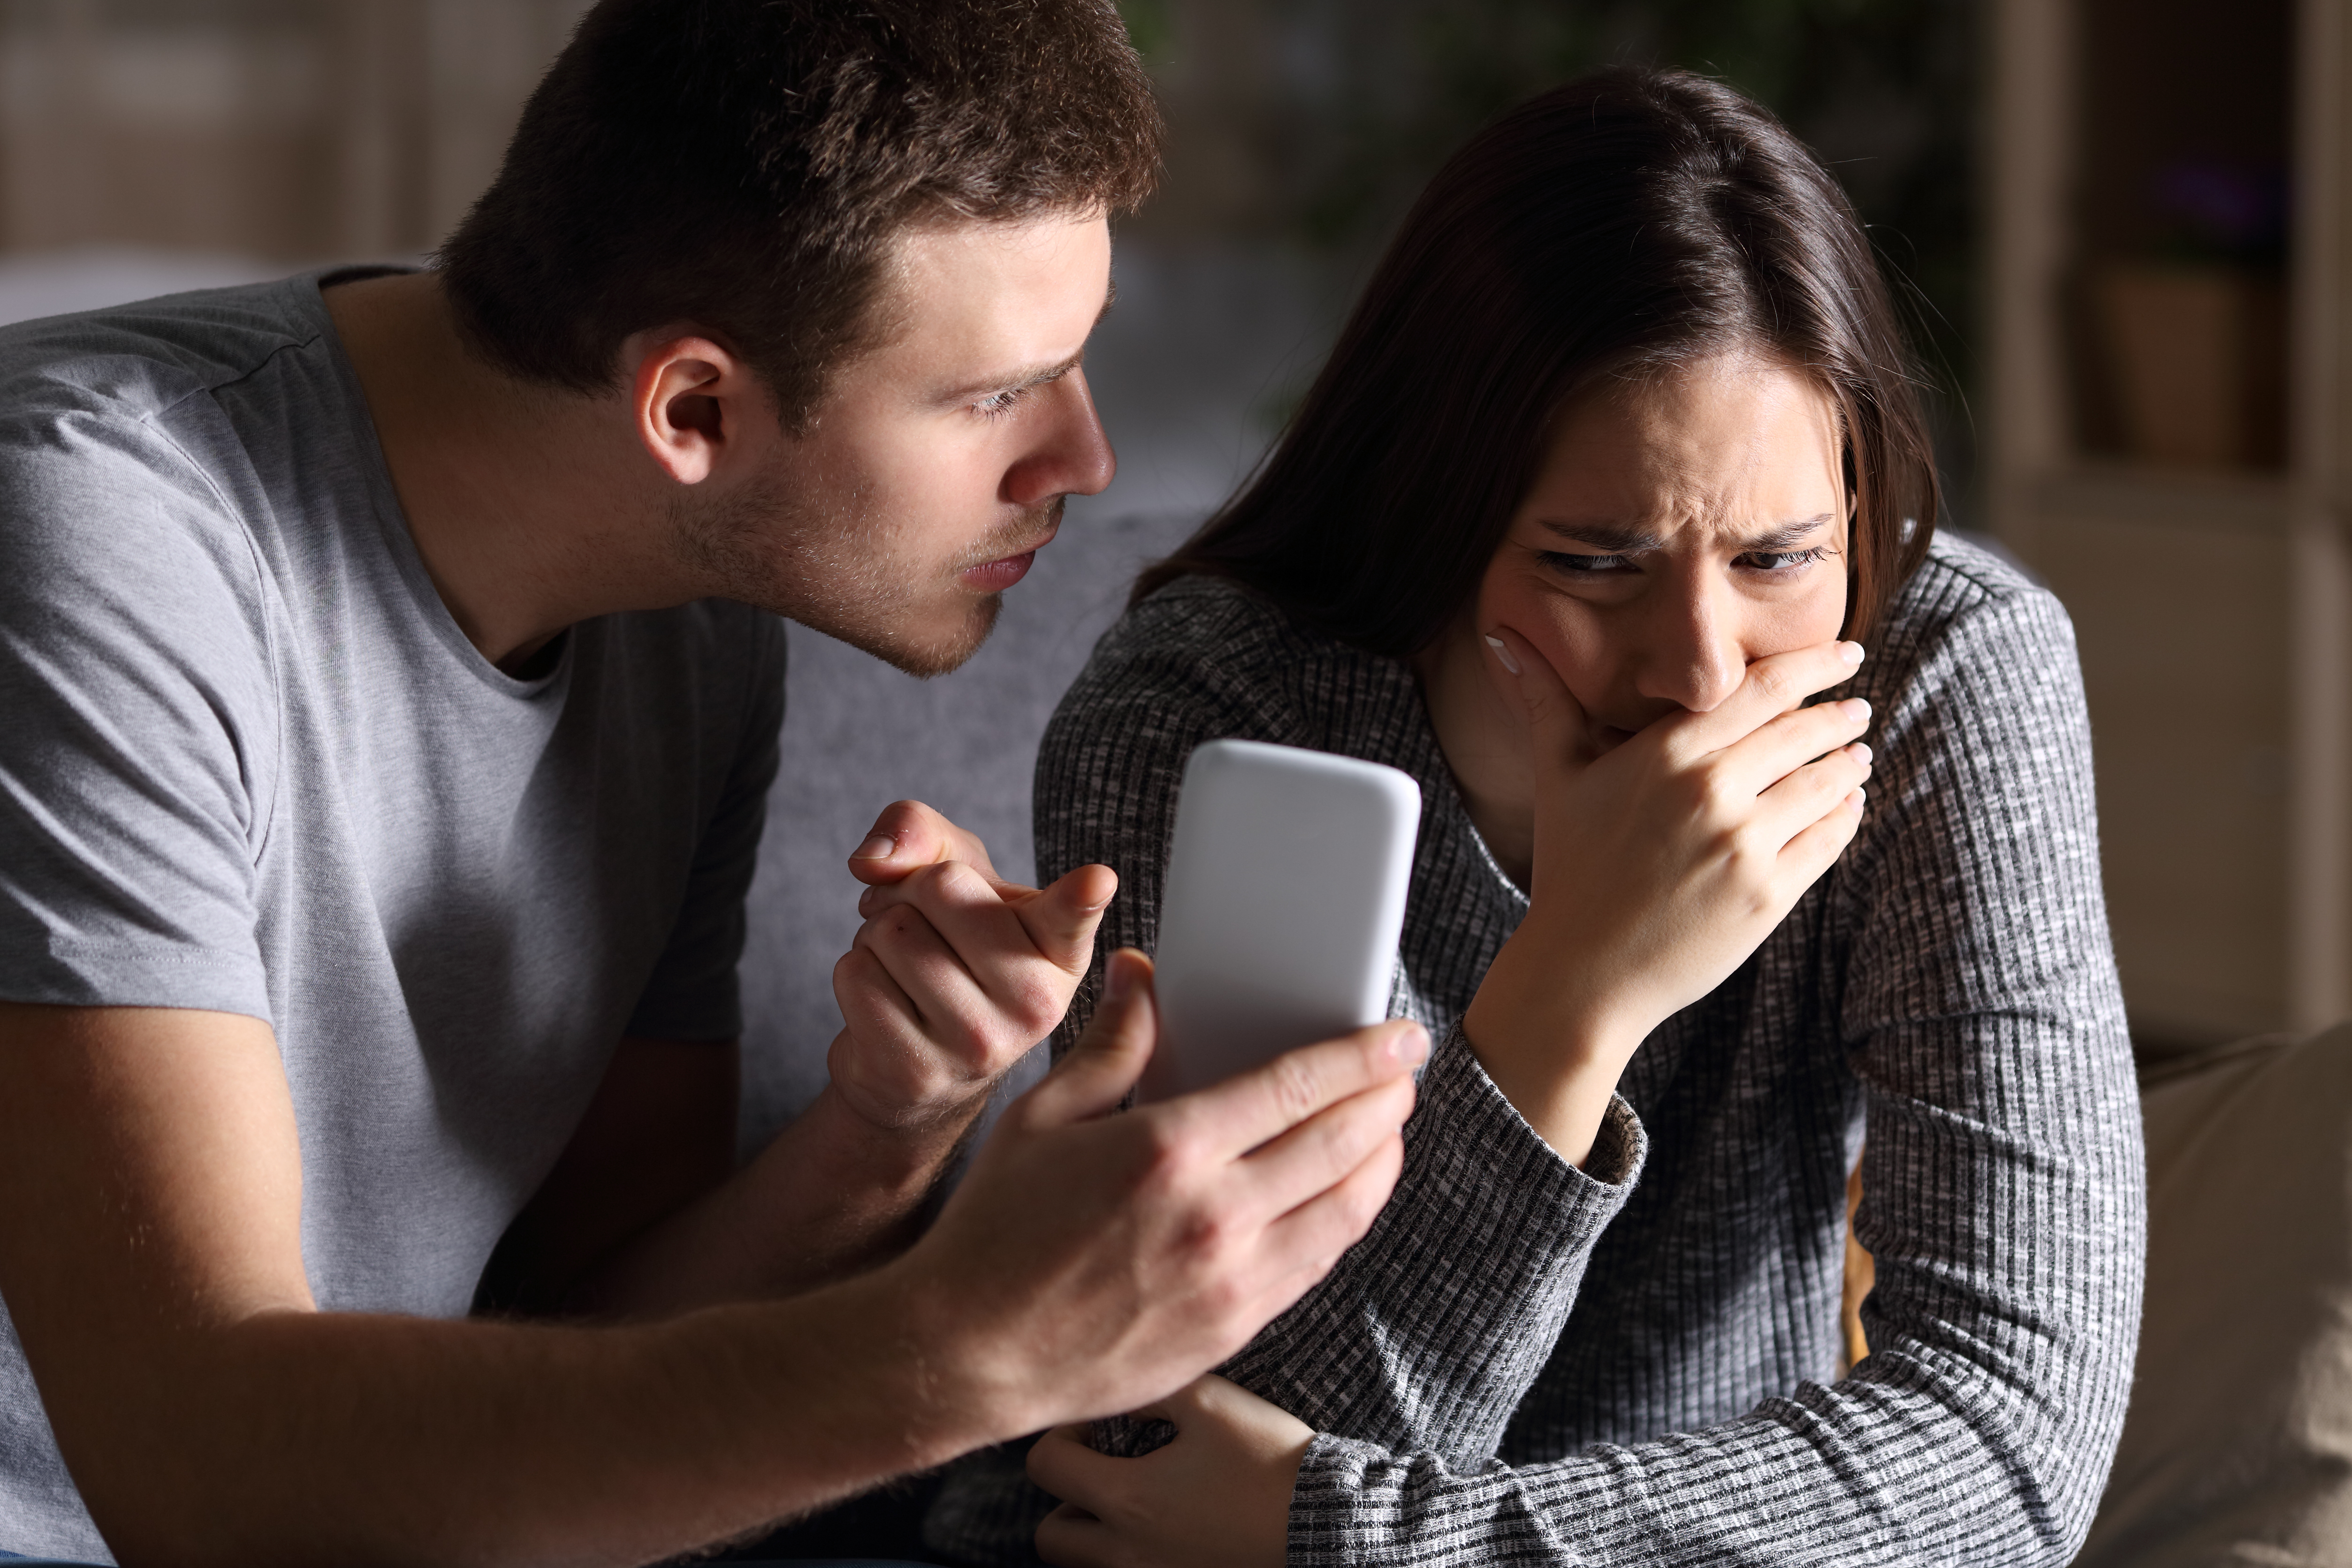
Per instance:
{"type": "Point", "coordinates": [1679, 529]}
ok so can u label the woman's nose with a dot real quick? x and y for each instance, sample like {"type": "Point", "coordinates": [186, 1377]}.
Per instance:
{"type": "Point", "coordinates": [1071, 455]}
{"type": "Point", "coordinates": [1693, 659]}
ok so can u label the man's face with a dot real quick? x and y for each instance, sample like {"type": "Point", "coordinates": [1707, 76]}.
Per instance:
{"type": "Point", "coordinates": [937, 465]}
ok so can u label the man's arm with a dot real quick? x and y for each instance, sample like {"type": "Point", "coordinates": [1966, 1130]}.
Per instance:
{"type": "Point", "coordinates": [645, 1211]}
{"type": "Point", "coordinates": [956, 975]}
{"type": "Point", "coordinates": [151, 1258]}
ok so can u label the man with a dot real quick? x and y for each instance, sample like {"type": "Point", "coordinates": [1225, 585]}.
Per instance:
{"type": "Point", "coordinates": [387, 701]}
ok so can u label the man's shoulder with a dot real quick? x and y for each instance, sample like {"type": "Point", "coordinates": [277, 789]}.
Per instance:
{"type": "Point", "coordinates": [140, 361]}
{"type": "Point", "coordinates": [108, 426]}
{"type": "Point", "coordinates": [116, 464]}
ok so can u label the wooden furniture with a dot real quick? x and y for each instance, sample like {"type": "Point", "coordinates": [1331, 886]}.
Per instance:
{"type": "Point", "coordinates": [296, 129]}
{"type": "Point", "coordinates": [2205, 563]}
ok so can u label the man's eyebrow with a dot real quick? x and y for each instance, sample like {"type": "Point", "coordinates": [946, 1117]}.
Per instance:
{"type": "Point", "coordinates": [1031, 375]}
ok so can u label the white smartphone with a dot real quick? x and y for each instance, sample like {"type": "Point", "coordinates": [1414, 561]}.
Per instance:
{"type": "Point", "coordinates": [1286, 896]}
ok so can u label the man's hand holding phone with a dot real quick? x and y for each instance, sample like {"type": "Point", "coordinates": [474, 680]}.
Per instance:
{"type": "Point", "coordinates": [1093, 1262]}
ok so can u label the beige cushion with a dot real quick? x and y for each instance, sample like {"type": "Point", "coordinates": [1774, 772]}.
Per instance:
{"type": "Point", "coordinates": [2238, 1446]}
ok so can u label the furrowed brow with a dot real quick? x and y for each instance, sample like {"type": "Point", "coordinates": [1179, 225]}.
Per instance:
{"type": "Point", "coordinates": [1787, 536]}
{"type": "Point", "coordinates": [1607, 538]}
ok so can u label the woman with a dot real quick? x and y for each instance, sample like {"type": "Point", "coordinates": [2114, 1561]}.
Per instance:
{"type": "Point", "coordinates": [1616, 465]}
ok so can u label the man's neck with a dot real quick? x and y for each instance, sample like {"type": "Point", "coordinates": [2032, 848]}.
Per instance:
{"type": "Point", "coordinates": [531, 509]}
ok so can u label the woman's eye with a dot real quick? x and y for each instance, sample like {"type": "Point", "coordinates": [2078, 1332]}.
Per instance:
{"type": "Point", "coordinates": [1781, 560]}
{"type": "Point", "coordinates": [1562, 560]}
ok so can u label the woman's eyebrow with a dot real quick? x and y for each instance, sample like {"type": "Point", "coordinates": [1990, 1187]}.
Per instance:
{"type": "Point", "coordinates": [1608, 538]}
{"type": "Point", "coordinates": [1783, 537]}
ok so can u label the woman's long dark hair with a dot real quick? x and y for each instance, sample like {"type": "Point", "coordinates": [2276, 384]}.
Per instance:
{"type": "Point", "coordinates": [1626, 223]}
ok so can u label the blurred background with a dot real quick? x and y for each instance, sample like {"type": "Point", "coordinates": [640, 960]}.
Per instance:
{"type": "Point", "coordinates": [2117, 227]}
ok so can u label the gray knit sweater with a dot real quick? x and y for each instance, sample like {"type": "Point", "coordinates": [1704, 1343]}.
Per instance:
{"type": "Point", "coordinates": [1525, 1363]}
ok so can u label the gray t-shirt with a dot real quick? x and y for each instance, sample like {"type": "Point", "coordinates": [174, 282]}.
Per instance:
{"type": "Point", "coordinates": [249, 762]}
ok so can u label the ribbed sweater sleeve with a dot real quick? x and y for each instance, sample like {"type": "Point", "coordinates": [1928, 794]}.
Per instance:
{"type": "Point", "coordinates": [1963, 944]}
{"type": "Point", "coordinates": [1490, 1231]}
{"type": "Point", "coordinates": [1429, 1330]}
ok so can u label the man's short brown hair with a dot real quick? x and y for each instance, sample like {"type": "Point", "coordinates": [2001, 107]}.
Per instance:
{"type": "Point", "coordinates": [745, 165]}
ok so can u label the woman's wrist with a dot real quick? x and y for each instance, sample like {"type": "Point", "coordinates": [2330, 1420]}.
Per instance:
{"type": "Point", "coordinates": [1554, 1049]}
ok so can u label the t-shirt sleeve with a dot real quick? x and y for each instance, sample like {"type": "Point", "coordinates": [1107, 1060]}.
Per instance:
{"type": "Point", "coordinates": [138, 730]}
{"type": "Point", "coordinates": [694, 993]}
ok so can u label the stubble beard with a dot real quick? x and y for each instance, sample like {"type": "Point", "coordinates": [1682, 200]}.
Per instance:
{"type": "Point", "coordinates": [848, 571]}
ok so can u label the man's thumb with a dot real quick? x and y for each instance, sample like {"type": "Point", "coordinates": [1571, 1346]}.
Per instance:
{"type": "Point", "coordinates": [1061, 919]}
{"type": "Point", "coordinates": [1109, 1057]}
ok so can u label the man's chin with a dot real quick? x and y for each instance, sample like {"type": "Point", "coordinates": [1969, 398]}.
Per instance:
{"type": "Point", "coordinates": [929, 652]}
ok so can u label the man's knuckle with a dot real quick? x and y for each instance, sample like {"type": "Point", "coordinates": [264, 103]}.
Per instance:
{"type": "Point", "coordinates": [972, 1038]}
{"type": "Point", "coordinates": [1297, 1087]}
{"type": "Point", "coordinates": [1036, 1005]}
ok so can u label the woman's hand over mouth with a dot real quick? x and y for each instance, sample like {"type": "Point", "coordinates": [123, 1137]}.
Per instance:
{"type": "Point", "coordinates": [1661, 863]}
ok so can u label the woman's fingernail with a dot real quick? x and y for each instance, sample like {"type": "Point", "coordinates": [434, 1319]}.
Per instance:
{"type": "Point", "coordinates": [1861, 752]}
{"type": "Point", "coordinates": [1504, 654]}
{"type": "Point", "coordinates": [1118, 979]}
{"type": "Point", "coordinates": [1856, 710]}
{"type": "Point", "coordinates": [878, 848]}
{"type": "Point", "coordinates": [1410, 1045]}
{"type": "Point", "coordinates": [1851, 652]}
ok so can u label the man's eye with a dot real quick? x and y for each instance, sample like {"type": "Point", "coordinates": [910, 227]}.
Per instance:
{"type": "Point", "coordinates": [996, 405]}
{"type": "Point", "coordinates": [1562, 560]}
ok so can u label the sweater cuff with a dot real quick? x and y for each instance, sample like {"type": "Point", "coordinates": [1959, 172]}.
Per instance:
{"type": "Point", "coordinates": [1472, 1159]}
{"type": "Point", "coordinates": [1432, 1328]}
{"type": "Point", "coordinates": [1329, 1524]}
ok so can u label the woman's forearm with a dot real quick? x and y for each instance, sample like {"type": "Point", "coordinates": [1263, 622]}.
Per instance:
{"type": "Point", "coordinates": [1489, 1221]}
{"type": "Point", "coordinates": [1555, 1052]}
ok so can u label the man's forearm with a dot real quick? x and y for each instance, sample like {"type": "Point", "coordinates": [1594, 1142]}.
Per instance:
{"type": "Point", "coordinates": [311, 1437]}
{"type": "Point", "coordinates": [831, 1195]}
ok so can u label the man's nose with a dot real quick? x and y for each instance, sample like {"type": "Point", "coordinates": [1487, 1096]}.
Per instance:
{"type": "Point", "coordinates": [1693, 657]}
{"type": "Point", "coordinates": [1071, 455]}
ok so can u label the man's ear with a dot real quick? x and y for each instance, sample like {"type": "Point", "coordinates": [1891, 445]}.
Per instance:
{"type": "Point", "coordinates": [690, 400]}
